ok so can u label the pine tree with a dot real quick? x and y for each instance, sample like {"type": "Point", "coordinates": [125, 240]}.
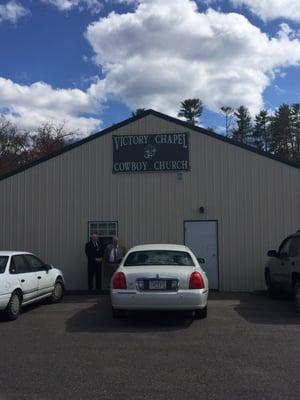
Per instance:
{"type": "Point", "coordinates": [295, 116]}
{"type": "Point", "coordinates": [243, 131]}
{"type": "Point", "coordinates": [281, 132]}
{"type": "Point", "coordinates": [261, 131]}
{"type": "Point", "coordinates": [191, 110]}
{"type": "Point", "coordinates": [138, 111]}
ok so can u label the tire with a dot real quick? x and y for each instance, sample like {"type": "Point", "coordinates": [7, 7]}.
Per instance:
{"type": "Point", "coordinates": [117, 313]}
{"type": "Point", "coordinates": [296, 295]}
{"type": "Point", "coordinates": [13, 308]}
{"type": "Point", "coordinates": [200, 313]}
{"type": "Point", "coordinates": [58, 292]}
{"type": "Point", "coordinates": [270, 289]}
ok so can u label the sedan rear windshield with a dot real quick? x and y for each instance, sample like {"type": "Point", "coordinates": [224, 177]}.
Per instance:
{"type": "Point", "coordinates": [3, 262]}
{"type": "Point", "coordinates": [158, 257]}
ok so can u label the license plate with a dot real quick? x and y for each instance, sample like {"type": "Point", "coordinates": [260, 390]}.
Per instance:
{"type": "Point", "coordinates": [157, 285]}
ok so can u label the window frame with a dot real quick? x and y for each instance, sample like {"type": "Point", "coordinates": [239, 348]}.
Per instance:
{"type": "Point", "coordinates": [297, 240]}
{"type": "Point", "coordinates": [42, 266]}
{"type": "Point", "coordinates": [5, 266]}
{"type": "Point", "coordinates": [12, 263]}
{"type": "Point", "coordinates": [183, 253]}
{"type": "Point", "coordinates": [107, 233]}
{"type": "Point", "coordinates": [283, 243]}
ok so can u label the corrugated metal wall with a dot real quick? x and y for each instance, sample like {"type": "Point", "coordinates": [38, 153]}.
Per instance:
{"type": "Point", "coordinates": [256, 201]}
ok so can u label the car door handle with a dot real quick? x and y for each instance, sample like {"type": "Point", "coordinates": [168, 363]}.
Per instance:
{"type": "Point", "coordinates": [22, 280]}
{"type": "Point", "coordinates": [39, 277]}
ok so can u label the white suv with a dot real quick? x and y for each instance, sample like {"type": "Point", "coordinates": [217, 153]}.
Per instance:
{"type": "Point", "coordinates": [24, 279]}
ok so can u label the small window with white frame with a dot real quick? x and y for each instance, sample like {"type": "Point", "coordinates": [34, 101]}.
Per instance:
{"type": "Point", "coordinates": [103, 228]}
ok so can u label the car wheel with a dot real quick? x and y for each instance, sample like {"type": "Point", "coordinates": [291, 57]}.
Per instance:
{"type": "Point", "coordinates": [57, 293]}
{"type": "Point", "coordinates": [270, 289]}
{"type": "Point", "coordinates": [14, 307]}
{"type": "Point", "coordinates": [200, 313]}
{"type": "Point", "coordinates": [297, 295]}
{"type": "Point", "coordinates": [118, 314]}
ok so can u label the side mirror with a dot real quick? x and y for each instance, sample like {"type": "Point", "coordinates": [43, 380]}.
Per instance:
{"type": "Point", "coordinates": [47, 267]}
{"type": "Point", "coordinates": [201, 260]}
{"type": "Point", "coordinates": [272, 253]}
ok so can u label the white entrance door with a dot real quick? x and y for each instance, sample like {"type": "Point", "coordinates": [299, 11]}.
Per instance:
{"type": "Point", "coordinates": [202, 238]}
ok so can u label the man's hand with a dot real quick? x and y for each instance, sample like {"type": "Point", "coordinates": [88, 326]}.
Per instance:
{"type": "Point", "coordinates": [98, 259]}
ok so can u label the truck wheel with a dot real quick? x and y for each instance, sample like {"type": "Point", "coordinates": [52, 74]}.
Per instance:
{"type": "Point", "coordinates": [297, 295]}
{"type": "Point", "coordinates": [14, 307]}
{"type": "Point", "coordinates": [270, 289]}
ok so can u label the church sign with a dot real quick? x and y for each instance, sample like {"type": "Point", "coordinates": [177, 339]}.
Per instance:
{"type": "Point", "coordinates": [156, 153]}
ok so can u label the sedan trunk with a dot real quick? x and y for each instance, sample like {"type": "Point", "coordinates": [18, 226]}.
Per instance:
{"type": "Point", "coordinates": [144, 277]}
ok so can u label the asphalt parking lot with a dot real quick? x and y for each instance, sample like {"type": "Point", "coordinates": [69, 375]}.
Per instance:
{"type": "Point", "coordinates": [247, 348]}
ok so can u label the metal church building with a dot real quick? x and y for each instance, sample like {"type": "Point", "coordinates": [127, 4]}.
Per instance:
{"type": "Point", "coordinates": [154, 179]}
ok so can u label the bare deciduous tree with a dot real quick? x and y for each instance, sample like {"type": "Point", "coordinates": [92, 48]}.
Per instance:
{"type": "Point", "coordinates": [18, 147]}
{"type": "Point", "coordinates": [229, 115]}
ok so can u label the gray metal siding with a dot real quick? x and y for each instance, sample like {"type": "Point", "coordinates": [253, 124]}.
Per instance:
{"type": "Point", "coordinates": [46, 208]}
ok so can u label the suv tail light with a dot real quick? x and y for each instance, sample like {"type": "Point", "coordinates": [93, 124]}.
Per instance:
{"type": "Point", "coordinates": [196, 281]}
{"type": "Point", "coordinates": [119, 281]}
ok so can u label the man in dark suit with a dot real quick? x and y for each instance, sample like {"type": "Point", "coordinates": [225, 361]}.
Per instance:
{"type": "Point", "coordinates": [113, 255]}
{"type": "Point", "coordinates": [94, 253]}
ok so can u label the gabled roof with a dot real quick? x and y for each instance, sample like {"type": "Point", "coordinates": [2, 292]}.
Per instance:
{"type": "Point", "coordinates": [136, 118]}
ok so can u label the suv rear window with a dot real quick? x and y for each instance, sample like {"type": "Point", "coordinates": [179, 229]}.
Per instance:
{"type": "Point", "coordinates": [3, 263]}
{"type": "Point", "coordinates": [158, 257]}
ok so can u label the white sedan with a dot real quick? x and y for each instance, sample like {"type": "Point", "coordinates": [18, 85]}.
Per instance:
{"type": "Point", "coordinates": [24, 279]}
{"type": "Point", "coordinates": [159, 277]}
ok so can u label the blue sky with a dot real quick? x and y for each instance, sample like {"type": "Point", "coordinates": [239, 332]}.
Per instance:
{"type": "Point", "coordinates": [89, 63]}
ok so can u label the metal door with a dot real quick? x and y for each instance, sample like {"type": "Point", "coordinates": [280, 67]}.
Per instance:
{"type": "Point", "coordinates": [202, 238]}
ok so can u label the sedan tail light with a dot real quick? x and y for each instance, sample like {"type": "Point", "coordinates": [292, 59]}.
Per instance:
{"type": "Point", "coordinates": [119, 281]}
{"type": "Point", "coordinates": [196, 281]}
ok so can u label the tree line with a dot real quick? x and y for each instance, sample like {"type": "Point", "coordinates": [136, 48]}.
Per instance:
{"type": "Point", "coordinates": [277, 133]}
{"type": "Point", "coordinates": [19, 147]}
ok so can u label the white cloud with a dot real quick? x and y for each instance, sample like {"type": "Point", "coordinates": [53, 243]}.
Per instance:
{"type": "Point", "coordinates": [32, 105]}
{"type": "Point", "coordinates": [157, 56]}
{"type": "Point", "coordinates": [12, 11]}
{"type": "Point", "coordinates": [286, 32]}
{"type": "Point", "coordinates": [94, 6]}
{"type": "Point", "coordinates": [272, 9]}
{"type": "Point", "coordinates": [164, 52]}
